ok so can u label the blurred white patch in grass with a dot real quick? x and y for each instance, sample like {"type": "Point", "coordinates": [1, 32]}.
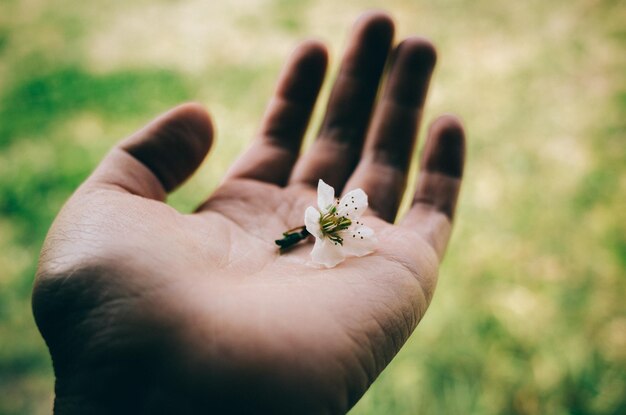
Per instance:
{"type": "Point", "coordinates": [187, 36]}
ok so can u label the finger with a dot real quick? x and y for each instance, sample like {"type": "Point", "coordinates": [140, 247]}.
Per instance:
{"type": "Point", "coordinates": [159, 157]}
{"type": "Point", "coordinates": [335, 153]}
{"type": "Point", "coordinates": [382, 171]}
{"type": "Point", "coordinates": [438, 183]}
{"type": "Point", "coordinates": [273, 154]}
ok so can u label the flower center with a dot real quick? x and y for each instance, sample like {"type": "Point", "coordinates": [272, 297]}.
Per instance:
{"type": "Point", "coordinates": [331, 223]}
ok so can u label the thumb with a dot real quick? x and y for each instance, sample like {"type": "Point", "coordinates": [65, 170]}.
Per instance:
{"type": "Point", "coordinates": [159, 157]}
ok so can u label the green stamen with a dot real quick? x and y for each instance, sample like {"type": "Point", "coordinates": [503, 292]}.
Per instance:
{"type": "Point", "coordinates": [331, 224]}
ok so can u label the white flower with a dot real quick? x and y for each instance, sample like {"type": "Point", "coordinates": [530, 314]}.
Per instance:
{"type": "Point", "coordinates": [336, 226]}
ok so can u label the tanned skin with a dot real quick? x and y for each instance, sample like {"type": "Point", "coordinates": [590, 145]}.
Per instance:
{"type": "Point", "coordinates": [147, 310]}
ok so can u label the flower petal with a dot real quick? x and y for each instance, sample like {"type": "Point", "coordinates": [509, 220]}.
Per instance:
{"type": "Point", "coordinates": [327, 253]}
{"type": "Point", "coordinates": [353, 204]}
{"type": "Point", "coordinates": [325, 196]}
{"type": "Point", "coordinates": [358, 240]}
{"type": "Point", "coordinates": [312, 222]}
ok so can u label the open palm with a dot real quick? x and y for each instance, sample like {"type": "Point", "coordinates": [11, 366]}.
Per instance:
{"type": "Point", "coordinates": [147, 310]}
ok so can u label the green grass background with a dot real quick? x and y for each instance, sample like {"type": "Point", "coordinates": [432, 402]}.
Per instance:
{"type": "Point", "coordinates": [529, 316]}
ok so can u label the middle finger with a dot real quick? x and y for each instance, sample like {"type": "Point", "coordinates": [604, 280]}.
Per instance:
{"type": "Point", "coordinates": [335, 153]}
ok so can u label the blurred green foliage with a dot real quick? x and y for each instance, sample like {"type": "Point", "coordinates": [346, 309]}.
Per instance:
{"type": "Point", "coordinates": [529, 317]}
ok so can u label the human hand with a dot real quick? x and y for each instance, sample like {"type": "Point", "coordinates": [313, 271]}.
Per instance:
{"type": "Point", "coordinates": [148, 310]}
